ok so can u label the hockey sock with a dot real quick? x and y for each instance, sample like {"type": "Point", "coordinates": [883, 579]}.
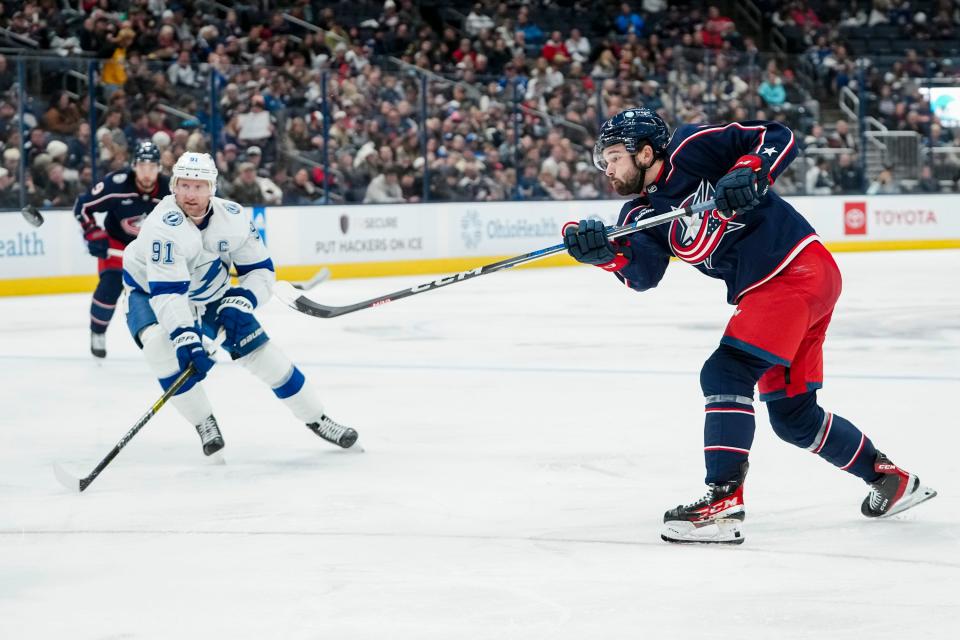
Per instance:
{"type": "Point", "coordinates": [105, 300]}
{"type": "Point", "coordinates": [272, 366]}
{"type": "Point", "coordinates": [191, 401]}
{"type": "Point", "coordinates": [728, 378]}
{"type": "Point", "coordinates": [802, 422]}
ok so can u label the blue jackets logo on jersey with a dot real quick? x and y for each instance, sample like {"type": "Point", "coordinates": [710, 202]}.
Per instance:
{"type": "Point", "coordinates": [694, 239]}
{"type": "Point", "coordinates": [173, 218]}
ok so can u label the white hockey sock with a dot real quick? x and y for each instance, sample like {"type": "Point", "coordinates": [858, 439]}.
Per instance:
{"type": "Point", "coordinates": [272, 366]}
{"type": "Point", "coordinates": [162, 358]}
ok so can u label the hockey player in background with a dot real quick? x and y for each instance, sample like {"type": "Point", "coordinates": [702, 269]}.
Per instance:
{"type": "Point", "coordinates": [125, 197]}
{"type": "Point", "coordinates": [782, 280]}
{"type": "Point", "coordinates": [177, 276]}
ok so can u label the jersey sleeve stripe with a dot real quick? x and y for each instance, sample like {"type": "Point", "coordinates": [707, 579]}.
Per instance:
{"type": "Point", "coordinates": [704, 132]}
{"type": "Point", "coordinates": [244, 269]}
{"type": "Point", "coordinates": [86, 205]}
{"type": "Point", "coordinates": [158, 288]}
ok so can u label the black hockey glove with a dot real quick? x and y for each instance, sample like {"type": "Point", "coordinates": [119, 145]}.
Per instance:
{"type": "Point", "coordinates": [235, 314]}
{"type": "Point", "coordinates": [97, 241]}
{"type": "Point", "coordinates": [587, 242]}
{"type": "Point", "coordinates": [186, 340]}
{"type": "Point", "coordinates": [743, 187]}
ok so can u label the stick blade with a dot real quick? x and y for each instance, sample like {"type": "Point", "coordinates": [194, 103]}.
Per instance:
{"type": "Point", "coordinates": [290, 296]}
{"type": "Point", "coordinates": [65, 478]}
{"type": "Point", "coordinates": [322, 275]}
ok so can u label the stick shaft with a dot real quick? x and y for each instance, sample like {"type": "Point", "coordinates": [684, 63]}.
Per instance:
{"type": "Point", "coordinates": [305, 305]}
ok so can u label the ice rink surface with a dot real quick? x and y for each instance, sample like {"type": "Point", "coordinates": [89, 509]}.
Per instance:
{"type": "Point", "coordinates": [524, 433]}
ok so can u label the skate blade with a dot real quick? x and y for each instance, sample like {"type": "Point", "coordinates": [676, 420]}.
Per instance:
{"type": "Point", "coordinates": [720, 531]}
{"type": "Point", "coordinates": [922, 494]}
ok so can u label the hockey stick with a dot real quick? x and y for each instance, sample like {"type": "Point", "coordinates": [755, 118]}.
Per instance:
{"type": "Point", "coordinates": [79, 484]}
{"type": "Point", "coordinates": [320, 276]}
{"type": "Point", "coordinates": [293, 298]}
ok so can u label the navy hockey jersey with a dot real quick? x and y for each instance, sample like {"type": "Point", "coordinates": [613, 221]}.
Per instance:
{"type": "Point", "coordinates": [125, 205]}
{"type": "Point", "coordinates": [744, 252]}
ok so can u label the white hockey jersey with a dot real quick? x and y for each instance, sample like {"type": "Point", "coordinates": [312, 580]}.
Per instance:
{"type": "Point", "coordinates": [184, 267]}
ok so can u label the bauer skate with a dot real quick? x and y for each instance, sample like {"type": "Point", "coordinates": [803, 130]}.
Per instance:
{"type": "Point", "coordinates": [716, 518]}
{"type": "Point", "coordinates": [897, 490]}
{"type": "Point", "coordinates": [333, 432]}
{"type": "Point", "coordinates": [210, 436]}
{"type": "Point", "coordinates": [98, 344]}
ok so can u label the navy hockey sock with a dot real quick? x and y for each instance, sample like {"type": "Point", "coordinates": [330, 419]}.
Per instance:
{"type": "Point", "coordinates": [105, 298]}
{"type": "Point", "coordinates": [728, 378]}
{"type": "Point", "coordinates": [802, 422]}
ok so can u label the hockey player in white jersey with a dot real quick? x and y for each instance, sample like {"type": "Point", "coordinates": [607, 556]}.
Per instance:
{"type": "Point", "coordinates": [177, 278]}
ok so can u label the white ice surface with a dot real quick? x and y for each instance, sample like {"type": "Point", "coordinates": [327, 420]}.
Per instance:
{"type": "Point", "coordinates": [524, 433]}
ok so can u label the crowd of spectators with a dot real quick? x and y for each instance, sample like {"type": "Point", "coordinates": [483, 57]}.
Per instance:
{"type": "Point", "coordinates": [481, 101]}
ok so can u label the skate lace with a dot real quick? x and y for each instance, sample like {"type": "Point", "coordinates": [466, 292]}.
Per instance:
{"type": "Point", "coordinates": [876, 499]}
{"type": "Point", "coordinates": [98, 339]}
{"type": "Point", "coordinates": [330, 429]}
{"type": "Point", "coordinates": [208, 429]}
{"type": "Point", "coordinates": [706, 499]}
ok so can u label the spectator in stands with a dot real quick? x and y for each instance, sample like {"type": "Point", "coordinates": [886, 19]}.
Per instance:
{"type": "Point", "coordinates": [883, 183]}
{"type": "Point", "coordinates": [181, 73]}
{"type": "Point", "coordinates": [63, 116]}
{"type": "Point", "coordinates": [819, 182]}
{"type": "Point", "coordinates": [577, 46]}
{"type": "Point", "coordinates": [772, 91]}
{"type": "Point", "coordinates": [477, 21]}
{"type": "Point", "coordinates": [532, 34]}
{"type": "Point", "coordinates": [256, 127]}
{"type": "Point", "coordinates": [927, 183]}
{"type": "Point", "coordinates": [384, 188]}
{"type": "Point", "coordinates": [717, 28]}
{"type": "Point", "coordinates": [9, 190]}
{"type": "Point", "coordinates": [628, 21]}
{"type": "Point", "coordinates": [245, 189]}
{"type": "Point", "coordinates": [302, 191]}
{"type": "Point", "coordinates": [841, 138]}
{"type": "Point", "coordinates": [847, 176]}
{"type": "Point", "coordinates": [7, 78]}
{"type": "Point", "coordinates": [57, 192]}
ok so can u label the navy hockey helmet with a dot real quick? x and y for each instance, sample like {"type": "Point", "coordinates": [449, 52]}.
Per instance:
{"type": "Point", "coordinates": [632, 128]}
{"type": "Point", "coordinates": [146, 152]}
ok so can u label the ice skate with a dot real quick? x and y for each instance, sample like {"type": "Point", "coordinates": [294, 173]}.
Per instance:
{"type": "Point", "coordinates": [98, 344]}
{"type": "Point", "coordinates": [897, 490]}
{"type": "Point", "coordinates": [334, 432]}
{"type": "Point", "coordinates": [210, 435]}
{"type": "Point", "coordinates": [716, 518]}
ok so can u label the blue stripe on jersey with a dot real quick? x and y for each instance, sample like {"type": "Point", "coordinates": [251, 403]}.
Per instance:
{"type": "Point", "coordinates": [244, 269]}
{"type": "Point", "coordinates": [291, 386]}
{"type": "Point", "coordinates": [165, 288]}
{"type": "Point", "coordinates": [128, 279]}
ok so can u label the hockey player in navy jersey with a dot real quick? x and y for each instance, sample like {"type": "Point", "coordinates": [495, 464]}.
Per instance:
{"type": "Point", "coordinates": [177, 273]}
{"type": "Point", "coordinates": [125, 197]}
{"type": "Point", "coordinates": [779, 275]}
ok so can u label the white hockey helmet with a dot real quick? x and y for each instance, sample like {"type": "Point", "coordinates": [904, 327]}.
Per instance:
{"type": "Point", "coordinates": [195, 166]}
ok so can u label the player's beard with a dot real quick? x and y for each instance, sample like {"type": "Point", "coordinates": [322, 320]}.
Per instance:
{"type": "Point", "coordinates": [633, 184]}
{"type": "Point", "coordinates": [144, 187]}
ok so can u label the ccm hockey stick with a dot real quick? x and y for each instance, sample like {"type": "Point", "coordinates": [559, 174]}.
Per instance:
{"type": "Point", "coordinates": [295, 299]}
{"type": "Point", "coordinates": [79, 484]}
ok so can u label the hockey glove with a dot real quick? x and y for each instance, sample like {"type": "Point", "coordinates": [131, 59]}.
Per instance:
{"type": "Point", "coordinates": [743, 187]}
{"type": "Point", "coordinates": [97, 243]}
{"type": "Point", "coordinates": [190, 350]}
{"type": "Point", "coordinates": [587, 242]}
{"type": "Point", "coordinates": [235, 315]}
